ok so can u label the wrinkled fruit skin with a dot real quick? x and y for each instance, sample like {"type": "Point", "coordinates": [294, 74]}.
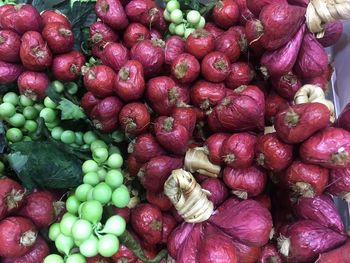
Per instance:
{"type": "Point", "coordinates": [298, 122]}
{"type": "Point", "coordinates": [89, 101]}
{"type": "Point", "coordinates": [218, 190]}
{"type": "Point", "coordinates": [329, 148]}
{"type": "Point", "coordinates": [185, 68]}
{"type": "Point", "coordinates": [147, 221]}
{"type": "Point", "coordinates": [215, 66]}
{"type": "Point", "coordinates": [143, 11]}
{"type": "Point", "coordinates": [169, 223]}
{"type": "Point", "coordinates": [17, 236]}
{"type": "Point", "coordinates": [159, 199]}
{"type": "Point", "coordinates": [186, 116]}
{"type": "Point", "coordinates": [270, 253]}
{"type": "Point", "coordinates": [205, 94]}
{"type": "Point", "coordinates": [59, 37]}
{"type": "Point", "coordinates": [145, 147]}
{"type": "Point", "coordinates": [332, 33]}
{"type": "Point", "coordinates": [340, 182]}
{"type": "Point", "coordinates": [54, 16]}
{"type": "Point", "coordinates": [10, 43]}
{"type": "Point", "coordinates": [174, 46]}
{"type": "Point", "coordinates": [344, 119]}
{"type": "Point", "coordinates": [340, 254]}
{"type": "Point", "coordinates": [229, 45]}
{"type": "Point", "coordinates": [101, 33]}
{"type": "Point", "coordinates": [67, 67]}
{"type": "Point", "coordinates": [134, 33]}
{"type": "Point", "coordinates": [9, 72]}
{"type": "Point", "coordinates": [99, 80]}
{"type": "Point", "coordinates": [240, 74]}
{"type": "Point", "coordinates": [273, 154]}
{"type": "Point", "coordinates": [274, 104]}
{"type": "Point", "coordinates": [286, 85]}
{"type": "Point", "coordinates": [213, 29]}
{"type": "Point", "coordinates": [134, 118]}
{"type": "Point", "coordinates": [112, 13]}
{"type": "Point", "coordinates": [200, 43]}
{"type": "Point", "coordinates": [33, 84]}
{"type": "Point", "coordinates": [114, 55]}
{"type": "Point", "coordinates": [255, 6]}
{"type": "Point", "coordinates": [214, 144]}
{"type": "Point", "coordinates": [11, 196]}
{"type": "Point", "coordinates": [226, 13]}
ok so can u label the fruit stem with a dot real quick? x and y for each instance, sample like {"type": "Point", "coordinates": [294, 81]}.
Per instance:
{"type": "Point", "coordinates": [2, 40]}
{"type": "Point", "coordinates": [284, 245]}
{"type": "Point", "coordinates": [230, 158]}
{"type": "Point", "coordinates": [28, 238]}
{"type": "Point", "coordinates": [220, 64]}
{"type": "Point", "coordinates": [124, 73]}
{"type": "Point", "coordinates": [240, 194]}
{"type": "Point", "coordinates": [168, 124]}
{"type": "Point", "coordinates": [158, 42]}
{"type": "Point", "coordinates": [181, 69]}
{"type": "Point", "coordinates": [291, 118]}
{"type": "Point", "coordinates": [340, 156]}
{"type": "Point", "coordinates": [303, 189]}
{"type": "Point", "coordinates": [65, 32]}
{"type": "Point", "coordinates": [173, 95]}
{"type": "Point", "coordinates": [240, 89]}
{"type": "Point", "coordinates": [260, 159]}
{"type": "Point", "coordinates": [96, 38]}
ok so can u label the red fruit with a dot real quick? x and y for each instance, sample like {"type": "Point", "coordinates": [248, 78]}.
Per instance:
{"type": "Point", "coordinates": [9, 72]}
{"type": "Point", "coordinates": [254, 30]}
{"type": "Point", "coordinates": [33, 84]}
{"type": "Point", "coordinates": [228, 44]}
{"type": "Point", "coordinates": [273, 154]}
{"type": "Point", "coordinates": [270, 254]}
{"type": "Point", "coordinates": [97, 49]}
{"type": "Point", "coordinates": [89, 101]}
{"type": "Point", "coordinates": [145, 147]}
{"type": "Point", "coordinates": [298, 122]}
{"type": "Point", "coordinates": [245, 13]}
{"type": "Point", "coordinates": [156, 171]}
{"type": "Point", "coordinates": [99, 80]}
{"type": "Point", "coordinates": [144, 11]}
{"type": "Point", "coordinates": [59, 37]}
{"type": "Point", "coordinates": [100, 259]}
{"type": "Point", "coordinates": [123, 212]}
{"type": "Point", "coordinates": [3, 9]}
{"type": "Point", "coordinates": [215, 66]}
{"type": "Point", "coordinates": [214, 145]}
{"type": "Point", "coordinates": [160, 25]}
{"type": "Point", "coordinates": [246, 182]}
{"type": "Point", "coordinates": [217, 189]}
{"type": "Point", "coordinates": [226, 13]}
{"type": "Point", "coordinates": [240, 74]}
{"type": "Point", "coordinates": [147, 221]}
{"type": "Point", "coordinates": [264, 200]}
{"type": "Point", "coordinates": [112, 13]}
{"type": "Point", "coordinates": [340, 254]}
{"type": "Point", "coordinates": [200, 43]}
{"type": "Point", "coordinates": [185, 68]}
{"type": "Point", "coordinates": [307, 180]}
{"type": "Point", "coordinates": [164, 95]}
{"type": "Point", "coordinates": [255, 6]}
{"type": "Point", "coordinates": [129, 83]}
{"type": "Point", "coordinates": [238, 150]}
{"type": "Point", "coordinates": [186, 116]}
{"type": "Point", "coordinates": [174, 47]}
{"type": "Point", "coordinates": [133, 165]}
{"type": "Point", "coordinates": [105, 114]}
{"type": "Point", "coordinates": [124, 254]}
{"type": "Point", "coordinates": [114, 55]}
{"type": "Point", "coordinates": [171, 135]}
{"type": "Point", "coordinates": [67, 67]}
{"type": "Point", "coordinates": [54, 16]}
{"type": "Point", "coordinates": [134, 118]}
{"type": "Point", "coordinates": [134, 33]}
{"type": "Point", "coordinates": [21, 18]}
{"type": "Point", "coordinates": [169, 223]}
{"type": "Point", "coordinates": [10, 43]}
{"type": "Point", "coordinates": [332, 33]}
{"type": "Point", "coordinates": [34, 52]}
{"type": "Point", "coordinates": [286, 85]}
{"type": "Point", "coordinates": [213, 29]}
{"type": "Point", "coordinates": [206, 94]}
{"type": "Point", "coordinates": [101, 33]}
{"type": "Point", "coordinates": [274, 104]}
{"type": "Point", "coordinates": [37, 254]}
{"type": "Point", "coordinates": [11, 196]}
{"type": "Point", "coordinates": [159, 199]}
{"type": "Point", "coordinates": [17, 236]}
{"type": "Point", "coordinates": [150, 53]}
{"type": "Point", "coordinates": [41, 208]}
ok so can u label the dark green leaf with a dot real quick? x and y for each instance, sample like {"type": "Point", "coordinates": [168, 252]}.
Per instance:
{"type": "Point", "coordinates": [2, 137]}
{"type": "Point", "coordinates": [52, 94]}
{"type": "Point", "coordinates": [41, 5]}
{"type": "Point", "coordinates": [42, 164]}
{"type": "Point", "coordinates": [70, 111]}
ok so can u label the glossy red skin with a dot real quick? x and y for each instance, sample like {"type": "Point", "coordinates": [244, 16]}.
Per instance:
{"type": "Point", "coordinates": [123, 212]}
{"type": "Point", "coordinates": [240, 74]}
{"type": "Point", "coordinates": [147, 221]}
{"type": "Point", "coordinates": [339, 182]}
{"type": "Point", "coordinates": [67, 67]}
{"type": "Point", "coordinates": [280, 23]}
{"type": "Point", "coordinates": [102, 33]}
{"type": "Point", "coordinates": [214, 144]}
{"type": "Point", "coordinates": [114, 55]}
{"type": "Point", "coordinates": [215, 67]}
{"type": "Point", "coordinates": [269, 254]}
{"type": "Point", "coordinates": [134, 33]}
{"type": "Point", "coordinates": [159, 199]}
{"type": "Point", "coordinates": [312, 117]}
{"type": "Point", "coordinates": [39, 207]}
{"type": "Point", "coordinates": [218, 190]}
{"type": "Point", "coordinates": [12, 230]}
{"type": "Point", "coordinates": [240, 34]}
{"type": "Point", "coordinates": [9, 72]}
{"type": "Point", "coordinates": [134, 118]}
{"type": "Point", "coordinates": [21, 18]}
{"type": "Point", "coordinates": [54, 16]}
{"type": "Point", "coordinates": [10, 43]}
{"type": "Point", "coordinates": [213, 29]}
{"type": "Point", "coordinates": [309, 239]}
{"type": "Point", "coordinates": [112, 13]}
{"type": "Point", "coordinates": [226, 13]}
{"type": "Point", "coordinates": [245, 13]}
{"type": "Point", "coordinates": [171, 134]}
{"type": "Point", "coordinates": [145, 148]}
{"type": "Point", "coordinates": [133, 165]}
{"type": "Point", "coordinates": [59, 37]}
{"type": "Point", "coordinates": [89, 101]}
{"type": "Point", "coordinates": [3, 9]}
{"type": "Point", "coordinates": [273, 154]}
{"type": "Point", "coordinates": [228, 44]}
{"type": "Point", "coordinates": [286, 85]}
{"type": "Point", "coordinates": [238, 150]}
{"type": "Point", "coordinates": [180, 236]}
{"type": "Point", "coordinates": [314, 175]}
{"type": "Point", "coordinates": [206, 94]}
{"type": "Point", "coordinates": [332, 33]}
{"type": "Point", "coordinates": [150, 55]}
{"type": "Point", "coordinates": [274, 104]}
{"type": "Point", "coordinates": [105, 114]}
{"type": "Point", "coordinates": [214, 124]}
{"type": "Point", "coordinates": [33, 84]}
{"type": "Point", "coordinates": [34, 52]}
{"type": "Point", "coordinates": [186, 116]}
{"type": "Point", "coordinates": [343, 119]}
{"type": "Point", "coordinates": [156, 171]}
{"type": "Point", "coordinates": [144, 11]}
{"type": "Point", "coordinates": [164, 95]}
{"type": "Point", "coordinates": [247, 254]}
{"type": "Point", "coordinates": [242, 111]}
{"type": "Point", "coordinates": [129, 83]}
{"type": "Point", "coordinates": [99, 80]}
{"type": "Point", "coordinates": [340, 254]}
{"type": "Point", "coordinates": [98, 259]}
{"type": "Point", "coordinates": [37, 254]}
{"type": "Point", "coordinates": [169, 223]}
{"type": "Point", "coordinates": [97, 49]}
{"type": "Point", "coordinates": [200, 43]}
{"type": "Point", "coordinates": [255, 6]}
{"type": "Point", "coordinates": [254, 31]}
{"type": "Point", "coordinates": [174, 46]}
{"type": "Point", "coordinates": [251, 180]}
{"type": "Point", "coordinates": [264, 200]}
{"type": "Point", "coordinates": [160, 25]}
{"type": "Point", "coordinates": [185, 68]}
{"type": "Point", "coordinates": [11, 196]}
{"type": "Point", "coordinates": [124, 254]}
